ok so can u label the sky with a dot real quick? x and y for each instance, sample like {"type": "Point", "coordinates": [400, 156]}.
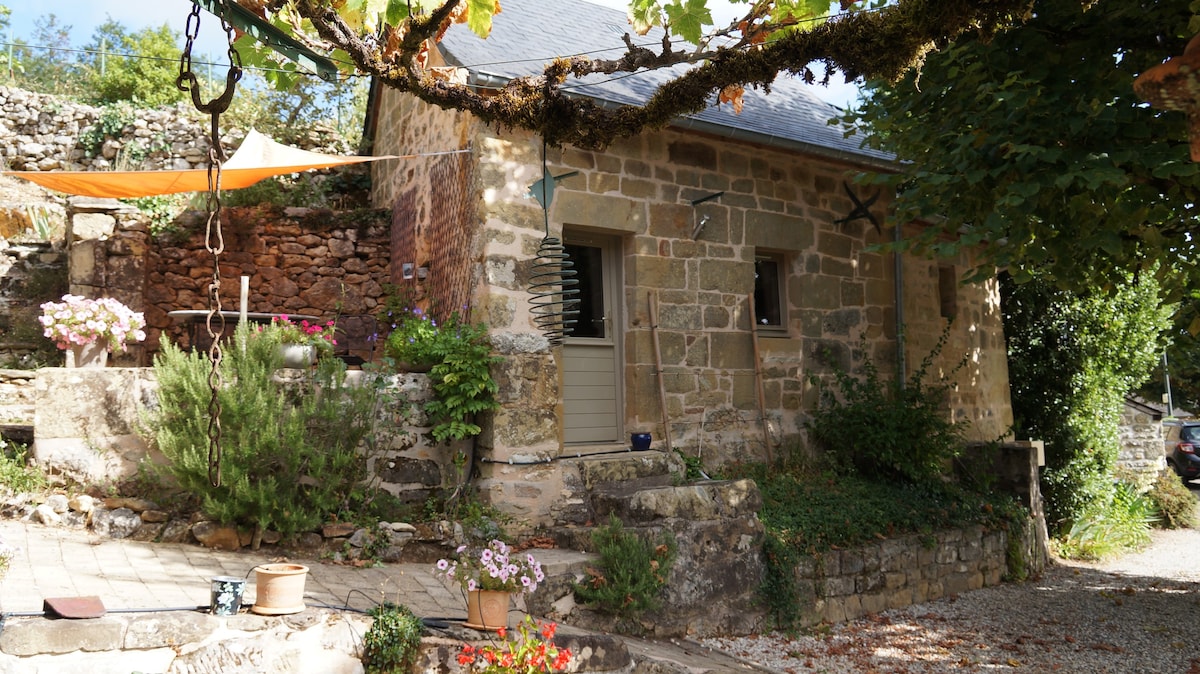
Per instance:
{"type": "Point", "coordinates": [84, 15]}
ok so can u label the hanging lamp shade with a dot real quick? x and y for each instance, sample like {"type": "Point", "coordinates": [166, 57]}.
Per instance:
{"type": "Point", "coordinates": [257, 158]}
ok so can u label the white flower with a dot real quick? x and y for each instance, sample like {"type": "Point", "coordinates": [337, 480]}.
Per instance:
{"type": "Point", "coordinates": [78, 320]}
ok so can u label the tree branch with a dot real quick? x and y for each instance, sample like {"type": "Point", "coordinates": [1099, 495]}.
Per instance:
{"type": "Point", "coordinates": [872, 44]}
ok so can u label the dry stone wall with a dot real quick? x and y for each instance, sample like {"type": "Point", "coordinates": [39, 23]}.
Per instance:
{"type": "Point", "coordinates": [842, 585]}
{"type": "Point", "coordinates": [42, 132]}
{"type": "Point", "coordinates": [1142, 439]}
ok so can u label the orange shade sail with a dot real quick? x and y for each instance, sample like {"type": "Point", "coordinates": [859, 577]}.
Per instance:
{"type": "Point", "coordinates": [257, 158]}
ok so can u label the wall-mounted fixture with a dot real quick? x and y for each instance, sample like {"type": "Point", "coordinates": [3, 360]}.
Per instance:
{"type": "Point", "coordinates": [407, 270]}
{"type": "Point", "coordinates": [422, 272]}
{"type": "Point", "coordinates": [698, 228]}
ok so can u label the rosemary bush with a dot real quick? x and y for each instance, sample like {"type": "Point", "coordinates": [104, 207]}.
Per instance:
{"type": "Point", "coordinates": [289, 455]}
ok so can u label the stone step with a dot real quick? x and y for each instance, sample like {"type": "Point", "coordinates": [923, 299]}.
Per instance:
{"type": "Point", "coordinates": [648, 468]}
{"type": "Point", "coordinates": [697, 501]}
{"type": "Point", "coordinates": [17, 413]}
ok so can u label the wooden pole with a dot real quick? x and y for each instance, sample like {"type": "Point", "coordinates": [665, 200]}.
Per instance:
{"type": "Point", "coordinates": [652, 296]}
{"type": "Point", "coordinates": [758, 382]}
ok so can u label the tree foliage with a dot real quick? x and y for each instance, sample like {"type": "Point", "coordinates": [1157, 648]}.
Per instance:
{"type": "Point", "coordinates": [1033, 148]}
{"type": "Point", "coordinates": [1183, 360]}
{"type": "Point", "coordinates": [389, 40]}
{"type": "Point", "coordinates": [46, 65]}
{"type": "Point", "coordinates": [1072, 358]}
{"type": "Point", "coordinates": [140, 67]}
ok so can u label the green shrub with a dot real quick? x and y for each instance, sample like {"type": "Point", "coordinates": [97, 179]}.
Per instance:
{"type": "Point", "coordinates": [390, 646]}
{"type": "Point", "coordinates": [289, 454]}
{"type": "Point", "coordinates": [1114, 525]}
{"type": "Point", "coordinates": [632, 572]}
{"type": "Point", "coordinates": [458, 355]}
{"type": "Point", "coordinates": [888, 431]}
{"type": "Point", "coordinates": [1175, 503]}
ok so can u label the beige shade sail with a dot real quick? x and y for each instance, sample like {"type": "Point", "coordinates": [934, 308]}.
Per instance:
{"type": "Point", "coordinates": [258, 157]}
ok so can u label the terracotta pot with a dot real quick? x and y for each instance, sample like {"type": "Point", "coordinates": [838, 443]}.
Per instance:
{"type": "Point", "coordinates": [88, 355]}
{"type": "Point", "coordinates": [487, 610]}
{"type": "Point", "coordinates": [279, 588]}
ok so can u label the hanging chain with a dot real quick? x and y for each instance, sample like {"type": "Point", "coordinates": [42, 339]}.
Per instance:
{"type": "Point", "coordinates": [214, 241]}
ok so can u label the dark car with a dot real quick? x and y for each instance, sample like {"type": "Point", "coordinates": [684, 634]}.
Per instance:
{"type": "Point", "coordinates": [1182, 450]}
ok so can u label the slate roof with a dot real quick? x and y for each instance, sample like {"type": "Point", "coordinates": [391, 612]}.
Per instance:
{"type": "Point", "coordinates": [526, 34]}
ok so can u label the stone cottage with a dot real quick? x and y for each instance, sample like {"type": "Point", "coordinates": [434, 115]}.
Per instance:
{"type": "Point", "coordinates": [685, 225]}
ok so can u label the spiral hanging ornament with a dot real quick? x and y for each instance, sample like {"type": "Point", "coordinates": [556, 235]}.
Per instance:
{"type": "Point", "coordinates": [555, 298]}
{"type": "Point", "coordinates": [552, 281]}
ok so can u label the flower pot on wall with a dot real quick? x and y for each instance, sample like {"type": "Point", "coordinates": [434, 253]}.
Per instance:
{"type": "Point", "coordinates": [487, 610]}
{"type": "Point", "coordinates": [279, 588]}
{"type": "Point", "coordinates": [298, 356]}
{"type": "Point", "coordinates": [94, 354]}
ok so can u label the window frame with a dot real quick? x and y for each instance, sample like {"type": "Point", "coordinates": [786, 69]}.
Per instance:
{"type": "Point", "coordinates": [780, 308]}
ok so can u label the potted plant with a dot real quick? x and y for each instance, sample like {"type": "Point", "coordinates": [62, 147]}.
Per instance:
{"type": "Point", "coordinates": [532, 650]}
{"type": "Point", "coordinates": [88, 328]}
{"type": "Point", "coordinates": [303, 342]}
{"type": "Point", "coordinates": [415, 343]}
{"type": "Point", "coordinates": [490, 576]}
{"type": "Point", "coordinates": [458, 358]}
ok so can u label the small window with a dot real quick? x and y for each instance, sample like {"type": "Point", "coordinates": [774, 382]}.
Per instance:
{"type": "Point", "coordinates": [769, 306]}
{"type": "Point", "coordinates": [948, 290]}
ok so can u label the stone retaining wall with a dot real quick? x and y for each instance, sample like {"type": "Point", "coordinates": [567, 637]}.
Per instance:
{"type": "Point", "coordinates": [86, 430]}
{"type": "Point", "coordinates": [842, 585]}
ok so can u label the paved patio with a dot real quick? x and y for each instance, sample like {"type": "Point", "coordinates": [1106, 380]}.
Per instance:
{"type": "Point", "coordinates": [130, 575]}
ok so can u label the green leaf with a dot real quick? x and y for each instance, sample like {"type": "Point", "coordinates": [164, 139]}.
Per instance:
{"type": "Point", "coordinates": [479, 16]}
{"type": "Point", "coordinates": [687, 19]}
{"type": "Point", "coordinates": [397, 11]}
{"type": "Point", "coordinates": [644, 15]}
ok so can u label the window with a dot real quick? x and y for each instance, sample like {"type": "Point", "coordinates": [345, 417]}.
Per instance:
{"type": "Point", "coordinates": [769, 306]}
{"type": "Point", "coordinates": [948, 290]}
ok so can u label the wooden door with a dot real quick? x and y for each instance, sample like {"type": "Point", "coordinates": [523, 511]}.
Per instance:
{"type": "Point", "coordinates": [591, 354]}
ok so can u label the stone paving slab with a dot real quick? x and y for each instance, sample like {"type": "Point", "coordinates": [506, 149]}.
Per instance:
{"type": "Point", "coordinates": [131, 575]}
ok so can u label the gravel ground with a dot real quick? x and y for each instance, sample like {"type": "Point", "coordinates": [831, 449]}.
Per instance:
{"type": "Point", "coordinates": [1132, 614]}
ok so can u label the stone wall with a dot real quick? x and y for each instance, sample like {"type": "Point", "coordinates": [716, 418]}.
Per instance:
{"type": "Point", "coordinates": [300, 261]}
{"type": "Point", "coordinates": [30, 273]}
{"type": "Point", "coordinates": [842, 585]}
{"type": "Point", "coordinates": [1142, 438]}
{"type": "Point", "coordinates": [41, 132]}
{"type": "Point", "coordinates": [88, 429]}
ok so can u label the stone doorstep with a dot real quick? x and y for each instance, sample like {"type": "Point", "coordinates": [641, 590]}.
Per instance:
{"type": "Point", "coordinates": [650, 468]}
{"type": "Point", "coordinates": [704, 500]}
{"type": "Point", "coordinates": [315, 641]}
